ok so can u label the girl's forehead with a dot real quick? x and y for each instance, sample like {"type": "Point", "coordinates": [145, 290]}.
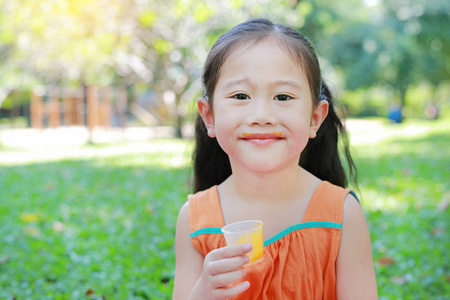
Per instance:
{"type": "Point", "coordinates": [269, 43]}
{"type": "Point", "coordinates": [268, 55]}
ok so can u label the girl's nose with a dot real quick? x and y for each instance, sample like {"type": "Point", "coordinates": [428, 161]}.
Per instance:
{"type": "Point", "coordinates": [261, 112]}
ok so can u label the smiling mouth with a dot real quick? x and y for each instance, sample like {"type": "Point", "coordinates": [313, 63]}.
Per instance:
{"type": "Point", "coordinates": [262, 136]}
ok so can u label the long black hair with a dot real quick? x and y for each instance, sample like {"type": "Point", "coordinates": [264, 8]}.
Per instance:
{"type": "Point", "coordinates": [320, 156]}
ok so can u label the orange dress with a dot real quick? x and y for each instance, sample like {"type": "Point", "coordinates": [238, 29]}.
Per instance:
{"type": "Point", "coordinates": [299, 262]}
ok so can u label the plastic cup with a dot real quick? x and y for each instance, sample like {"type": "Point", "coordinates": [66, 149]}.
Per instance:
{"type": "Point", "coordinates": [243, 232]}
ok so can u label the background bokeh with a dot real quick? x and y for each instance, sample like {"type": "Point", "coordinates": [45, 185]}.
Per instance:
{"type": "Point", "coordinates": [97, 101]}
{"type": "Point", "coordinates": [378, 56]}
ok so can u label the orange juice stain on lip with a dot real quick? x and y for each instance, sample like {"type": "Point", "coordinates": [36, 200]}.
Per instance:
{"type": "Point", "coordinates": [277, 133]}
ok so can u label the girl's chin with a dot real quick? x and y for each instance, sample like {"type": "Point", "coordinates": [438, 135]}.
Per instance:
{"type": "Point", "coordinates": [262, 166]}
{"type": "Point", "coordinates": [262, 142]}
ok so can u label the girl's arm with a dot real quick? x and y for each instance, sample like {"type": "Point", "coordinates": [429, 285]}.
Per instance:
{"type": "Point", "coordinates": [354, 267]}
{"type": "Point", "coordinates": [198, 277]}
{"type": "Point", "coordinates": [189, 261]}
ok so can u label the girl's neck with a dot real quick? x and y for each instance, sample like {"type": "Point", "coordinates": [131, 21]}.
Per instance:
{"type": "Point", "coordinates": [269, 187]}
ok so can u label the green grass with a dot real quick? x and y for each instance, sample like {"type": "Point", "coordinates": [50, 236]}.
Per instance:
{"type": "Point", "coordinates": [102, 225]}
{"type": "Point", "coordinates": [404, 182]}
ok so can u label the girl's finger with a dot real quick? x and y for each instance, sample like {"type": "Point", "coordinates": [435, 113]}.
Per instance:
{"type": "Point", "coordinates": [224, 279]}
{"type": "Point", "coordinates": [226, 293]}
{"type": "Point", "coordinates": [226, 265]}
{"type": "Point", "coordinates": [229, 251]}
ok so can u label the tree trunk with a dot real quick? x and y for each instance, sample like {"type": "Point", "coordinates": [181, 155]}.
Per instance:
{"type": "Point", "coordinates": [86, 112]}
{"type": "Point", "coordinates": [179, 126]}
{"type": "Point", "coordinates": [403, 89]}
{"type": "Point", "coordinates": [179, 117]}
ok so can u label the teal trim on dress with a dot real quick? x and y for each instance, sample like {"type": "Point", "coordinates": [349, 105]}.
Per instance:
{"type": "Point", "coordinates": [319, 224]}
{"type": "Point", "coordinates": [206, 230]}
{"type": "Point", "coordinates": [302, 226]}
{"type": "Point", "coordinates": [354, 195]}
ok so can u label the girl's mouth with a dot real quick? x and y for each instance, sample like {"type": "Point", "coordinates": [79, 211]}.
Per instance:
{"type": "Point", "coordinates": [260, 138]}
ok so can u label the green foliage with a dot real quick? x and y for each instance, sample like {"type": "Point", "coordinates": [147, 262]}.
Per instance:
{"type": "Point", "coordinates": [390, 44]}
{"type": "Point", "coordinates": [405, 190]}
{"type": "Point", "coordinates": [364, 103]}
{"type": "Point", "coordinates": [376, 101]}
{"type": "Point", "coordinates": [371, 45]}
{"type": "Point", "coordinates": [83, 228]}
{"type": "Point", "coordinates": [103, 225]}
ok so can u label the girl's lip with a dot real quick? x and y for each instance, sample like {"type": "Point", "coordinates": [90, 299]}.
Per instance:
{"type": "Point", "coordinates": [262, 136]}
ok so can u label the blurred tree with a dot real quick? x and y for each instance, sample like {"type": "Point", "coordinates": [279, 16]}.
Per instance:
{"type": "Point", "coordinates": [173, 39]}
{"type": "Point", "coordinates": [346, 42]}
{"type": "Point", "coordinates": [414, 36]}
{"type": "Point", "coordinates": [433, 40]}
{"type": "Point", "coordinates": [162, 44]}
{"type": "Point", "coordinates": [60, 42]}
{"type": "Point", "coordinates": [392, 44]}
{"type": "Point", "coordinates": [8, 70]}
{"type": "Point", "coordinates": [166, 50]}
{"type": "Point", "coordinates": [72, 40]}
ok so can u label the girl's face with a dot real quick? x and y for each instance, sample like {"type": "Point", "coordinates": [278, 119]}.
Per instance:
{"type": "Point", "coordinates": [263, 112]}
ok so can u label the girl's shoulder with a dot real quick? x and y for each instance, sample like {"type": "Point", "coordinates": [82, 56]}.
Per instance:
{"type": "Point", "coordinates": [204, 210]}
{"type": "Point", "coordinates": [205, 200]}
{"type": "Point", "coordinates": [196, 204]}
{"type": "Point", "coordinates": [328, 203]}
{"type": "Point", "coordinates": [355, 263]}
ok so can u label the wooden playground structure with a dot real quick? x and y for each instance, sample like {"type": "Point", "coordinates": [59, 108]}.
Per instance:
{"type": "Point", "coordinates": [89, 106]}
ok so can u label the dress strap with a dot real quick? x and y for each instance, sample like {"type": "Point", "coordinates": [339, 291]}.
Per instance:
{"type": "Point", "coordinates": [205, 212]}
{"type": "Point", "coordinates": [326, 204]}
{"type": "Point", "coordinates": [206, 220]}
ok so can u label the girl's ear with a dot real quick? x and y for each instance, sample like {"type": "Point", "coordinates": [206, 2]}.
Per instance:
{"type": "Point", "coordinates": [207, 116]}
{"type": "Point", "coordinates": [319, 114]}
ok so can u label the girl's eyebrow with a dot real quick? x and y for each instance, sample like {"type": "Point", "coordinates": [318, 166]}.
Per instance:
{"type": "Point", "coordinates": [291, 83]}
{"type": "Point", "coordinates": [231, 83]}
{"type": "Point", "coordinates": [247, 81]}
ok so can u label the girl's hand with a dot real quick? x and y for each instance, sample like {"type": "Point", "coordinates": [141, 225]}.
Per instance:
{"type": "Point", "coordinates": [221, 268]}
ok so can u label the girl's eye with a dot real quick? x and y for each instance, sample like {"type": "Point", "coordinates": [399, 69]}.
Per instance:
{"type": "Point", "coordinates": [283, 97]}
{"type": "Point", "coordinates": [241, 97]}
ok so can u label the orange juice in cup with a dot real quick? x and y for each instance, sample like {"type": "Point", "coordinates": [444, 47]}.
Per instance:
{"type": "Point", "coordinates": [249, 231]}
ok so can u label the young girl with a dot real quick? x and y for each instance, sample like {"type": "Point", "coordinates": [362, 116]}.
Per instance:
{"type": "Point", "coordinates": [267, 149]}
